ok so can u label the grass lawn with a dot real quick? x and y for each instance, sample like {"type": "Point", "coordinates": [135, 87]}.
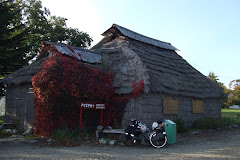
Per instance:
{"type": "Point", "coordinates": [231, 113]}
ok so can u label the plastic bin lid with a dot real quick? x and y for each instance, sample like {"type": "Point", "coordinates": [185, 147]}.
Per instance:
{"type": "Point", "coordinates": [169, 121]}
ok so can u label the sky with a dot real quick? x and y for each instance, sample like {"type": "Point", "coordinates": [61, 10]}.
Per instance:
{"type": "Point", "coordinates": [207, 32]}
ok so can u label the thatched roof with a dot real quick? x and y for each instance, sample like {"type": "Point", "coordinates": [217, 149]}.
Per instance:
{"type": "Point", "coordinates": [119, 30]}
{"type": "Point", "coordinates": [161, 68]}
{"type": "Point", "coordinates": [25, 74]}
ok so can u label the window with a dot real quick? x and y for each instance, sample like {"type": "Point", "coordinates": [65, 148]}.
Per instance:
{"type": "Point", "coordinates": [197, 106]}
{"type": "Point", "coordinates": [170, 106]}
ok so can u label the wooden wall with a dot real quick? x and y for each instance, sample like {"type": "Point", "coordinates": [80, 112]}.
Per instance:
{"type": "Point", "coordinates": [19, 107]}
{"type": "Point", "coordinates": [149, 108]}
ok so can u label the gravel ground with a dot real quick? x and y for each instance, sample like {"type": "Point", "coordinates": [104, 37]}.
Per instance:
{"type": "Point", "coordinates": [205, 145]}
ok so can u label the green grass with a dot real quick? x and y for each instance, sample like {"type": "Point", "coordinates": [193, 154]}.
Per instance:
{"type": "Point", "coordinates": [1, 120]}
{"type": "Point", "coordinates": [229, 117]}
{"type": "Point", "coordinates": [233, 114]}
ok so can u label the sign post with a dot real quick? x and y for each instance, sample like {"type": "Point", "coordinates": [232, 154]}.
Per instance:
{"type": "Point", "coordinates": [101, 118]}
{"type": "Point", "coordinates": [80, 119]}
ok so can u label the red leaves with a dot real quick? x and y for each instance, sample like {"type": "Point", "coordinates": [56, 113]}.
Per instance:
{"type": "Point", "coordinates": [64, 80]}
{"type": "Point", "coordinates": [79, 54]}
{"type": "Point", "coordinates": [70, 48]}
{"type": "Point", "coordinates": [59, 84]}
{"type": "Point", "coordinates": [137, 88]}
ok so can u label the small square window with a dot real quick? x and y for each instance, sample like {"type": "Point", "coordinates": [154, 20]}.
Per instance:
{"type": "Point", "coordinates": [170, 106]}
{"type": "Point", "coordinates": [197, 106]}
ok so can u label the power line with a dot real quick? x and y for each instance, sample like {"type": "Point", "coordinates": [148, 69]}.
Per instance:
{"type": "Point", "coordinates": [212, 71]}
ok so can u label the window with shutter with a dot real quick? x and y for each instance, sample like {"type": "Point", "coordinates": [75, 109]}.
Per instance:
{"type": "Point", "coordinates": [170, 106]}
{"type": "Point", "coordinates": [197, 106]}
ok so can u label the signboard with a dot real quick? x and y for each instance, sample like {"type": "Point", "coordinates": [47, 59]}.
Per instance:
{"type": "Point", "coordinates": [98, 106]}
{"type": "Point", "coordinates": [92, 106]}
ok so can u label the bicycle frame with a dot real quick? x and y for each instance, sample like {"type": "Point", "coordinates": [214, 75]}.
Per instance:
{"type": "Point", "coordinates": [156, 136]}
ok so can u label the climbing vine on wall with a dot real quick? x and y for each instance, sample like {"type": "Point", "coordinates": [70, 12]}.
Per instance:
{"type": "Point", "coordinates": [65, 80]}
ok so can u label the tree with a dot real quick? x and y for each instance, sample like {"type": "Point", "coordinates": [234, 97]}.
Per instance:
{"type": "Point", "coordinates": [23, 25]}
{"type": "Point", "coordinates": [44, 27]}
{"type": "Point", "coordinates": [13, 38]}
{"type": "Point", "coordinates": [77, 38]}
{"type": "Point", "coordinates": [234, 83]}
{"type": "Point", "coordinates": [234, 92]}
{"type": "Point", "coordinates": [213, 77]}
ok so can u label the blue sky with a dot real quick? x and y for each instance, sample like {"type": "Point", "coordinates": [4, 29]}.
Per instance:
{"type": "Point", "coordinates": [207, 32]}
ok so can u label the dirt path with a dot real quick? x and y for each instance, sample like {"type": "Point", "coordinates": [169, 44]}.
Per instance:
{"type": "Point", "coordinates": [211, 145]}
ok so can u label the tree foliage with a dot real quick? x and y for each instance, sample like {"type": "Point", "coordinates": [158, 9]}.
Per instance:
{"type": "Point", "coordinates": [215, 79]}
{"type": "Point", "coordinates": [234, 93]}
{"type": "Point", "coordinates": [77, 38]}
{"type": "Point", "coordinates": [24, 24]}
{"type": "Point", "coordinates": [13, 38]}
{"type": "Point", "coordinates": [45, 27]}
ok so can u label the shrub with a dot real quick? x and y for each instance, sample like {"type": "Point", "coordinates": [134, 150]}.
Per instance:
{"type": "Point", "coordinates": [4, 134]}
{"type": "Point", "coordinates": [65, 136]}
{"type": "Point", "coordinates": [180, 125]}
{"type": "Point", "coordinates": [212, 123]}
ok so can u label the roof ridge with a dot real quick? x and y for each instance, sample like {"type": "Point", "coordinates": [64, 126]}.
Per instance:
{"type": "Point", "coordinates": [65, 45]}
{"type": "Point", "coordinates": [142, 38]}
{"type": "Point", "coordinates": [80, 53]}
{"type": "Point", "coordinates": [139, 33]}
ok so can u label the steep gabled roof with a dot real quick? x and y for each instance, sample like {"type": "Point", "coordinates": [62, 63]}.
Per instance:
{"type": "Point", "coordinates": [170, 74]}
{"type": "Point", "coordinates": [139, 37]}
{"type": "Point", "coordinates": [25, 74]}
{"type": "Point", "coordinates": [161, 68]}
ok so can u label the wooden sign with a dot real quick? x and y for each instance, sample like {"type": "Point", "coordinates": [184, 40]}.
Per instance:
{"type": "Point", "coordinates": [92, 106]}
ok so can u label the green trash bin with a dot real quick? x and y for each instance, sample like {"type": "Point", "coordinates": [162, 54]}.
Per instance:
{"type": "Point", "coordinates": [171, 131]}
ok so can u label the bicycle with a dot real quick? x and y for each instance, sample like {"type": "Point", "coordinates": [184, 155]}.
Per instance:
{"type": "Point", "coordinates": [156, 136]}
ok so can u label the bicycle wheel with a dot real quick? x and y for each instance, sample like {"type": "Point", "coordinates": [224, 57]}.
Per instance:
{"type": "Point", "coordinates": [129, 142]}
{"type": "Point", "coordinates": [158, 140]}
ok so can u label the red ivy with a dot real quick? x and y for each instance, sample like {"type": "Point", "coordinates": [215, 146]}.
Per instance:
{"type": "Point", "coordinates": [64, 80]}
{"type": "Point", "coordinates": [71, 49]}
